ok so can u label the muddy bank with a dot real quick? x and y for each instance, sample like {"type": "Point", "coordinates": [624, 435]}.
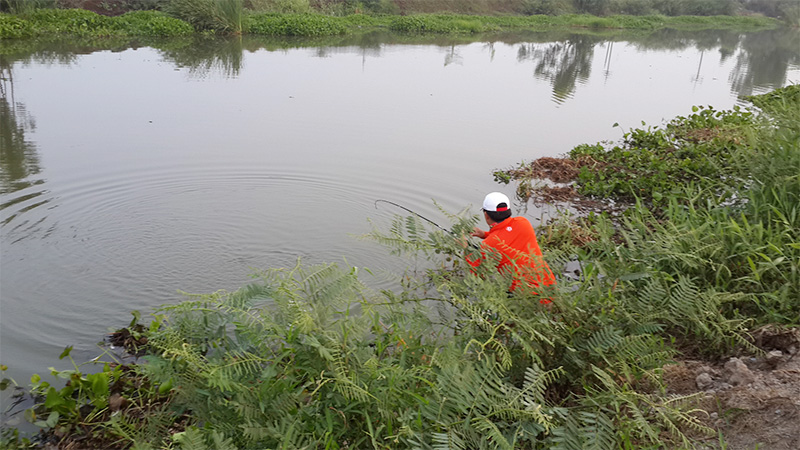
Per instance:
{"type": "Point", "coordinates": [752, 401]}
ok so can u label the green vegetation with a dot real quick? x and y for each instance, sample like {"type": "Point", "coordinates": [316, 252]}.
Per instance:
{"type": "Point", "coordinates": [230, 18]}
{"type": "Point", "coordinates": [209, 15]}
{"type": "Point", "coordinates": [310, 357]}
{"type": "Point", "coordinates": [723, 190]}
{"type": "Point", "coordinates": [298, 25]}
{"type": "Point", "coordinates": [328, 18]}
{"type": "Point", "coordinates": [82, 23]}
{"type": "Point", "coordinates": [653, 162]}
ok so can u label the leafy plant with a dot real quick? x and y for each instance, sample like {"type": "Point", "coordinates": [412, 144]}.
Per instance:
{"type": "Point", "coordinates": [297, 25]}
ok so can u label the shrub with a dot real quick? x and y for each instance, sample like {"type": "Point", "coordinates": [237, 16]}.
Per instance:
{"type": "Point", "coordinates": [77, 22]}
{"type": "Point", "coordinates": [437, 24]}
{"type": "Point", "coordinates": [152, 23]}
{"type": "Point", "coordinates": [297, 25]}
{"type": "Point", "coordinates": [12, 27]}
{"type": "Point", "coordinates": [25, 6]}
{"type": "Point", "coordinates": [209, 15]}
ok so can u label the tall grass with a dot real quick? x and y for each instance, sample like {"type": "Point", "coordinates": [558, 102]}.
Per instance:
{"type": "Point", "coordinates": [226, 16]}
{"type": "Point", "coordinates": [25, 6]}
{"type": "Point", "coordinates": [280, 6]}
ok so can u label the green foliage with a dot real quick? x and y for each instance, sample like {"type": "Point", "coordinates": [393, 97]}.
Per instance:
{"type": "Point", "coordinates": [25, 6]}
{"type": "Point", "coordinates": [297, 25]}
{"type": "Point", "coordinates": [82, 23]}
{"type": "Point", "coordinates": [77, 22]}
{"type": "Point", "coordinates": [723, 190]}
{"type": "Point", "coordinates": [653, 162]}
{"type": "Point", "coordinates": [12, 27]}
{"type": "Point", "coordinates": [151, 23]}
{"type": "Point", "coordinates": [291, 18]}
{"type": "Point", "coordinates": [436, 23]}
{"type": "Point", "coordinates": [224, 16]}
{"type": "Point", "coordinates": [64, 407]}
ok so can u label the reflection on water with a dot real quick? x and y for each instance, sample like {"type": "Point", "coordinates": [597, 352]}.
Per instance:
{"type": "Point", "coordinates": [562, 58]}
{"type": "Point", "coordinates": [561, 63]}
{"type": "Point", "coordinates": [763, 59]}
{"type": "Point", "coordinates": [204, 55]}
{"type": "Point", "coordinates": [19, 160]}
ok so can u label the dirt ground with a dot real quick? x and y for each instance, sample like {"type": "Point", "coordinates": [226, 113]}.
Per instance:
{"type": "Point", "coordinates": [753, 401]}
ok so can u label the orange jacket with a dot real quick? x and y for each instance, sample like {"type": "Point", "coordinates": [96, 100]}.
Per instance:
{"type": "Point", "coordinates": [515, 242]}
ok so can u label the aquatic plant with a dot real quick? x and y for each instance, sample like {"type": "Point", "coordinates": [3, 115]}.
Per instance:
{"type": "Point", "coordinates": [439, 24]}
{"type": "Point", "coordinates": [82, 23]}
{"type": "Point", "coordinates": [151, 23]}
{"type": "Point", "coordinates": [297, 25]}
{"type": "Point", "coordinates": [13, 27]}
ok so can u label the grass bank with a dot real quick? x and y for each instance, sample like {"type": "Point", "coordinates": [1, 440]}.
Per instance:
{"type": "Point", "coordinates": [311, 357]}
{"type": "Point", "coordinates": [83, 23]}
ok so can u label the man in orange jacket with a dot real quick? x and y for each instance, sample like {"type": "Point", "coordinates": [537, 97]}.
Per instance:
{"type": "Point", "coordinates": [513, 240]}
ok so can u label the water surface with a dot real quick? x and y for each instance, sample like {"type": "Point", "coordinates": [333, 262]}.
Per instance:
{"type": "Point", "coordinates": [132, 172]}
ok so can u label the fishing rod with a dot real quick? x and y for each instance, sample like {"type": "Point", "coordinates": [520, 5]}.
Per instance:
{"type": "Point", "coordinates": [472, 244]}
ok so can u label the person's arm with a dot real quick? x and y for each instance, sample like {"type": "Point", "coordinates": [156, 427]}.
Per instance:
{"type": "Point", "coordinates": [477, 232]}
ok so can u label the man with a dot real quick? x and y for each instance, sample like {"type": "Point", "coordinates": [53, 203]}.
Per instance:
{"type": "Point", "coordinates": [513, 241]}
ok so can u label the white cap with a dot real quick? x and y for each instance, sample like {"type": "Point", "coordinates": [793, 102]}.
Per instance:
{"type": "Point", "coordinates": [496, 201]}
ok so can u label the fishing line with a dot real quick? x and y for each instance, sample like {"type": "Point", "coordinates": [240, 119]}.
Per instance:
{"type": "Point", "coordinates": [472, 244]}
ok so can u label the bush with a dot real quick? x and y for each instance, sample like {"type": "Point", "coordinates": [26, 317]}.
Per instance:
{"type": "Point", "coordinates": [77, 22]}
{"type": "Point", "coordinates": [198, 13]}
{"type": "Point", "coordinates": [25, 6]}
{"type": "Point", "coordinates": [209, 15]}
{"type": "Point", "coordinates": [437, 24]}
{"type": "Point", "coordinates": [152, 23]}
{"type": "Point", "coordinates": [12, 27]}
{"type": "Point", "coordinates": [297, 25]}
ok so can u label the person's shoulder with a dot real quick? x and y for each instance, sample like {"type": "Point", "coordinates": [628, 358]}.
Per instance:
{"type": "Point", "coordinates": [521, 220]}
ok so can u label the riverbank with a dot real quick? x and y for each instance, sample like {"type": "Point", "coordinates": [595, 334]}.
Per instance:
{"type": "Point", "coordinates": [83, 23]}
{"type": "Point", "coordinates": [702, 274]}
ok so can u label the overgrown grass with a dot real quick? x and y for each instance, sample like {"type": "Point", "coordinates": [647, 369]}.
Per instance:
{"type": "Point", "coordinates": [224, 16]}
{"type": "Point", "coordinates": [229, 17]}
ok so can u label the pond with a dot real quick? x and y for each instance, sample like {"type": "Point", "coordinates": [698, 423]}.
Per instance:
{"type": "Point", "coordinates": [132, 171]}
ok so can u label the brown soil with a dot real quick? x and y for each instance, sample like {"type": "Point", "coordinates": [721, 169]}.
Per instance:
{"type": "Point", "coordinates": [754, 402]}
{"type": "Point", "coordinates": [557, 170]}
{"type": "Point", "coordinates": [131, 340]}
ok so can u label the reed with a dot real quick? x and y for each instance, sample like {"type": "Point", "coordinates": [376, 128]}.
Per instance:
{"type": "Point", "coordinates": [224, 16]}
